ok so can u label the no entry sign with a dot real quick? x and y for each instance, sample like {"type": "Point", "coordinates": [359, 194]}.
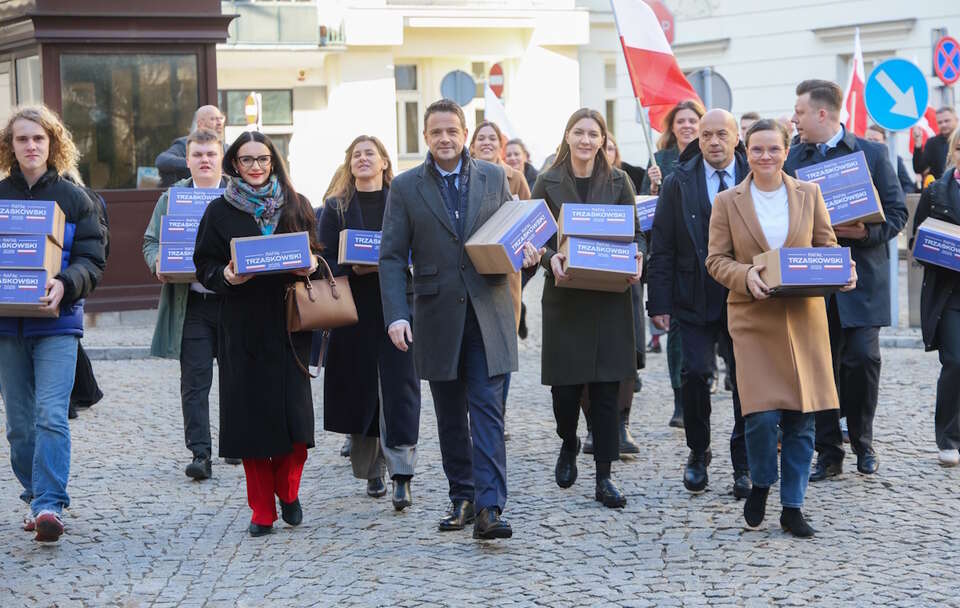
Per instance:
{"type": "Point", "coordinates": [946, 60]}
{"type": "Point", "coordinates": [496, 80]}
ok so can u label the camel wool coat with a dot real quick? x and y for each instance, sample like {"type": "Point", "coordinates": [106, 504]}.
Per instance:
{"type": "Point", "coordinates": [781, 344]}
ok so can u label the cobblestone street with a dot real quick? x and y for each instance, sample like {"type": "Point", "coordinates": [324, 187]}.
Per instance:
{"type": "Point", "coordinates": [140, 533]}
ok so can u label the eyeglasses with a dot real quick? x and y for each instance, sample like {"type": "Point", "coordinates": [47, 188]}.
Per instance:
{"type": "Point", "coordinates": [758, 151]}
{"type": "Point", "coordinates": [247, 161]}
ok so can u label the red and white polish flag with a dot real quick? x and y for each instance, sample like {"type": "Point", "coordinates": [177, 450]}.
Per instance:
{"type": "Point", "coordinates": [853, 114]}
{"type": "Point", "coordinates": [656, 77]}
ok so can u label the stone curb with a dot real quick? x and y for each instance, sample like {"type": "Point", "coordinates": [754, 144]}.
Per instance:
{"type": "Point", "coordinates": [117, 353]}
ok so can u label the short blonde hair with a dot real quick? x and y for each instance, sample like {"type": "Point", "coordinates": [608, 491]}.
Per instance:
{"type": "Point", "coordinates": [952, 147]}
{"type": "Point", "coordinates": [63, 153]}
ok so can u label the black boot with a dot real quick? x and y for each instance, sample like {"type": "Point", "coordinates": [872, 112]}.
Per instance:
{"type": "Point", "coordinates": [627, 443]}
{"type": "Point", "coordinates": [676, 420]}
{"type": "Point", "coordinates": [755, 508]}
{"type": "Point", "coordinates": [793, 522]}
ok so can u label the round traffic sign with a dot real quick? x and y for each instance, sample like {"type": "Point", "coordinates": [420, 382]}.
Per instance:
{"type": "Point", "coordinates": [896, 94]}
{"type": "Point", "coordinates": [458, 86]}
{"type": "Point", "coordinates": [946, 60]}
{"type": "Point", "coordinates": [712, 88]}
{"type": "Point", "coordinates": [495, 80]}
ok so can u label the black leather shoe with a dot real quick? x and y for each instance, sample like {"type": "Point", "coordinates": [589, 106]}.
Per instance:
{"type": "Point", "coordinates": [376, 488]}
{"type": "Point", "coordinates": [741, 484]}
{"type": "Point", "coordinates": [792, 521]}
{"type": "Point", "coordinates": [637, 383]}
{"type": "Point", "coordinates": [345, 448]}
{"type": "Point", "coordinates": [822, 470]}
{"type": "Point", "coordinates": [609, 494]}
{"type": "Point", "coordinates": [755, 507]}
{"type": "Point", "coordinates": [627, 444]}
{"type": "Point", "coordinates": [291, 512]}
{"type": "Point", "coordinates": [72, 412]}
{"type": "Point", "coordinates": [565, 473]}
{"type": "Point", "coordinates": [489, 525]}
{"type": "Point", "coordinates": [676, 420]}
{"type": "Point", "coordinates": [233, 461]}
{"type": "Point", "coordinates": [460, 513]}
{"type": "Point", "coordinates": [588, 443]}
{"type": "Point", "coordinates": [867, 463]}
{"type": "Point", "coordinates": [401, 494]}
{"type": "Point", "coordinates": [200, 468]}
{"type": "Point", "coordinates": [695, 477]}
{"type": "Point", "coordinates": [258, 530]}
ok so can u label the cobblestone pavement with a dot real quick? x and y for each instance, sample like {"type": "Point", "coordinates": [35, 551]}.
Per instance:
{"type": "Point", "coordinates": [139, 533]}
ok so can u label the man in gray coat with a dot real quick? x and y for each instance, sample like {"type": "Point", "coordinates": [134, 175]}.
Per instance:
{"type": "Point", "coordinates": [463, 321]}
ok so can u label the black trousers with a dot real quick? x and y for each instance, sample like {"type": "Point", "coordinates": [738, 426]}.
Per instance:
{"type": "Point", "coordinates": [699, 344]}
{"type": "Point", "coordinates": [198, 348]}
{"type": "Point", "coordinates": [947, 416]}
{"type": "Point", "coordinates": [856, 368]}
{"type": "Point", "coordinates": [604, 417]}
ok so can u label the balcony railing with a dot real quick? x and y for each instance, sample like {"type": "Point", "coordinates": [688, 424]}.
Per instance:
{"type": "Point", "coordinates": [280, 23]}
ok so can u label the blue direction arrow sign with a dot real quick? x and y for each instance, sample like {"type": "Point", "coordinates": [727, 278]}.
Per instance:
{"type": "Point", "coordinates": [896, 94]}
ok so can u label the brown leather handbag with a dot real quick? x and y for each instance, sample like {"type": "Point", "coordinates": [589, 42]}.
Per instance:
{"type": "Point", "coordinates": [324, 304]}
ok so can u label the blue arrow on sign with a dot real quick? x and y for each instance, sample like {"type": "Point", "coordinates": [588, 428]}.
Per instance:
{"type": "Point", "coordinates": [896, 94]}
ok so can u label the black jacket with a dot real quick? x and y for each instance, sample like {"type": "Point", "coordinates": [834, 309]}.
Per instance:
{"type": "Point", "coordinates": [172, 163]}
{"type": "Point", "coordinates": [869, 304]}
{"type": "Point", "coordinates": [933, 156]}
{"type": "Point", "coordinates": [677, 279]}
{"type": "Point", "coordinates": [940, 200]}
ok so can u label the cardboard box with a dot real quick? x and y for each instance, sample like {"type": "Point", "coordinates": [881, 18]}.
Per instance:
{"type": "Point", "coordinates": [359, 247]}
{"type": "Point", "coordinates": [30, 252]}
{"type": "Point", "coordinates": [32, 217]}
{"type": "Point", "coordinates": [190, 201]}
{"type": "Point", "coordinates": [813, 271]}
{"type": "Point", "coordinates": [179, 228]}
{"type": "Point", "coordinates": [175, 262]}
{"type": "Point", "coordinates": [938, 243]}
{"type": "Point", "coordinates": [646, 209]}
{"type": "Point", "coordinates": [598, 265]}
{"type": "Point", "coordinates": [272, 253]}
{"type": "Point", "coordinates": [497, 246]}
{"type": "Point", "coordinates": [847, 189]}
{"type": "Point", "coordinates": [595, 221]}
{"type": "Point", "coordinates": [20, 293]}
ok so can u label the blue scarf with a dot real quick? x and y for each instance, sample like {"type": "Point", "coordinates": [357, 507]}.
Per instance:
{"type": "Point", "coordinates": [263, 203]}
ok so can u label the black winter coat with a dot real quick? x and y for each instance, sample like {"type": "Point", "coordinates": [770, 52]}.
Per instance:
{"type": "Point", "coordinates": [361, 358]}
{"type": "Point", "coordinates": [940, 200]}
{"type": "Point", "coordinates": [869, 304]}
{"type": "Point", "coordinates": [266, 403]}
{"type": "Point", "coordinates": [677, 279]}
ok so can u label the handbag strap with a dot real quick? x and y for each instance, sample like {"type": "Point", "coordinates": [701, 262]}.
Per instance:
{"type": "Point", "coordinates": [323, 348]}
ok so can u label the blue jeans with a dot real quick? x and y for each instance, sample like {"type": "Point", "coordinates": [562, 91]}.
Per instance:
{"type": "Point", "coordinates": [36, 377]}
{"type": "Point", "coordinates": [796, 452]}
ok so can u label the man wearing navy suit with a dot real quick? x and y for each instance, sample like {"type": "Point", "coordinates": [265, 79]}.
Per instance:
{"type": "Point", "coordinates": [463, 321]}
{"type": "Point", "coordinates": [855, 317]}
{"type": "Point", "coordinates": [681, 291]}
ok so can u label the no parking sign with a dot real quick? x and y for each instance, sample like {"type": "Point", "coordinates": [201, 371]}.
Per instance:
{"type": "Point", "coordinates": [946, 60]}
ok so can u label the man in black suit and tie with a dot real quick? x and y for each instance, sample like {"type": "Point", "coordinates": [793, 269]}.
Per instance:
{"type": "Point", "coordinates": [681, 291]}
{"type": "Point", "coordinates": [855, 317]}
{"type": "Point", "coordinates": [463, 321]}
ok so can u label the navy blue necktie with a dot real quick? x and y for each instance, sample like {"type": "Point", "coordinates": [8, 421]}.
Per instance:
{"type": "Point", "coordinates": [723, 184]}
{"type": "Point", "coordinates": [452, 198]}
{"type": "Point", "coordinates": [823, 149]}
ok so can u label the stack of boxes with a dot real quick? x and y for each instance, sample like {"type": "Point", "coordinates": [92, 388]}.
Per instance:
{"type": "Point", "coordinates": [178, 232]}
{"type": "Point", "coordinates": [597, 242]}
{"type": "Point", "coordinates": [31, 251]}
{"type": "Point", "coordinates": [847, 189]}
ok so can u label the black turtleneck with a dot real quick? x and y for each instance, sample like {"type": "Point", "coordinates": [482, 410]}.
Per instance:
{"type": "Point", "coordinates": [372, 206]}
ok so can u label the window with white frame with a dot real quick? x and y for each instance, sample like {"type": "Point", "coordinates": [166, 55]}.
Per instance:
{"type": "Point", "coordinates": [610, 94]}
{"type": "Point", "coordinates": [408, 110]}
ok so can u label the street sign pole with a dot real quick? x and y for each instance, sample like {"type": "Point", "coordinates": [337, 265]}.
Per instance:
{"type": "Point", "coordinates": [708, 88]}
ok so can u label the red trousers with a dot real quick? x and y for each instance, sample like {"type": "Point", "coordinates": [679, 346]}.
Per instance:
{"type": "Point", "coordinates": [268, 477]}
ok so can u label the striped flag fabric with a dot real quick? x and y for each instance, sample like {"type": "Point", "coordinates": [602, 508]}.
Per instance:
{"type": "Point", "coordinates": [853, 114]}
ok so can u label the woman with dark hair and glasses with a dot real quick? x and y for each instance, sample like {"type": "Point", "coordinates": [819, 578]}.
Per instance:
{"type": "Point", "coordinates": [266, 405]}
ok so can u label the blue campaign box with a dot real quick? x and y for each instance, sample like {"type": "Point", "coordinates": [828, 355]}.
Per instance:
{"type": "Point", "coordinates": [806, 271]}
{"type": "Point", "coordinates": [30, 252]}
{"type": "Point", "coordinates": [179, 228]}
{"type": "Point", "coordinates": [175, 262]}
{"type": "Point", "coordinates": [20, 293]}
{"type": "Point", "coordinates": [272, 253]}
{"type": "Point", "coordinates": [497, 246]}
{"type": "Point", "coordinates": [596, 221]}
{"type": "Point", "coordinates": [359, 247]}
{"type": "Point", "coordinates": [32, 217]}
{"type": "Point", "coordinates": [847, 189]}
{"type": "Point", "coordinates": [190, 201]}
{"type": "Point", "coordinates": [598, 265]}
{"type": "Point", "coordinates": [938, 243]}
{"type": "Point", "coordinates": [646, 209]}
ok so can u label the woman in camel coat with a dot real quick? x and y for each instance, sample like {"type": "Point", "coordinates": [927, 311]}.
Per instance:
{"type": "Point", "coordinates": [782, 345]}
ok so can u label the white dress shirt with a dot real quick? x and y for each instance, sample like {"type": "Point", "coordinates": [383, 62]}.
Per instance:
{"type": "Point", "coordinates": [713, 178]}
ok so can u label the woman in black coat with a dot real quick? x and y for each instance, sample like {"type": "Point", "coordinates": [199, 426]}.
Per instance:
{"type": "Point", "coordinates": [588, 336]}
{"type": "Point", "coordinates": [370, 388]}
{"type": "Point", "coordinates": [266, 405]}
{"type": "Point", "coordinates": [940, 307]}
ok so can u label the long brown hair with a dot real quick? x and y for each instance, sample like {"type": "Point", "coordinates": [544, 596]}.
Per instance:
{"type": "Point", "coordinates": [496, 129]}
{"type": "Point", "coordinates": [345, 184]}
{"type": "Point", "coordinates": [600, 163]}
{"type": "Point", "coordinates": [297, 214]}
{"type": "Point", "coordinates": [669, 138]}
{"type": "Point", "coordinates": [62, 152]}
